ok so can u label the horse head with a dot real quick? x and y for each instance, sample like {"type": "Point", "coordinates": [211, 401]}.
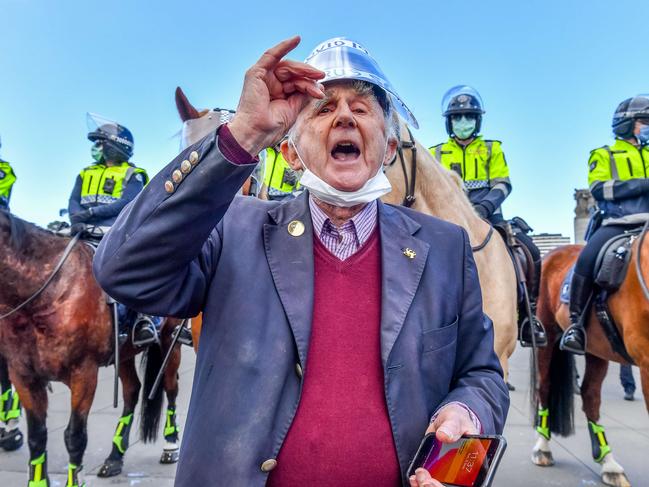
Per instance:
{"type": "Point", "coordinates": [198, 123]}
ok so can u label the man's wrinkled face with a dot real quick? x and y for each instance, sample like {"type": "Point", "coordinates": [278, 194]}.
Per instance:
{"type": "Point", "coordinates": [341, 138]}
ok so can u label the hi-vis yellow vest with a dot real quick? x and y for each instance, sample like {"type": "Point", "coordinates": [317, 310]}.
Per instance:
{"type": "Point", "coordinates": [276, 171]}
{"type": "Point", "coordinates": [96, 188]}
{"type": "Point", "coordinates": [481, 164]}
{"type": "Point", "coordinates": [7, 180]}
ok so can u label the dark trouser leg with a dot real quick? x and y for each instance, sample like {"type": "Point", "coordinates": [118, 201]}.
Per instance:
{"type": "Point", "coordinates": [627, 381]}
{"type": "Point", "coordinates": [533, 294]}
{"type": "Point", "coordinates": [574, 339]}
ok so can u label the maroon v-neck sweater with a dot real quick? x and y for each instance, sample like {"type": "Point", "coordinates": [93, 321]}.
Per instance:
{"type": "Point", "coordinates": [341, 433]}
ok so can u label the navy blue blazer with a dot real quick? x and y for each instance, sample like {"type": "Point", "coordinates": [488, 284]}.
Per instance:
{"type": "Point", "coordinates": [181, 248]}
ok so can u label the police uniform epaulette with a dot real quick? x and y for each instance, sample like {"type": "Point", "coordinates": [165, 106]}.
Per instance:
{"type": "Point", "coordinates": [434, 146]}
{"type": "Point", "coordinates": [493, 140]}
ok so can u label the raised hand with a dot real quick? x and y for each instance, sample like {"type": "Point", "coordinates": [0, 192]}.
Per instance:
{"type": "Point", "coordinates": [274, 91]}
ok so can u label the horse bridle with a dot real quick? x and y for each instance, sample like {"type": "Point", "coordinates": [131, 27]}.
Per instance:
{"type": "Point", "coordinates": [47, 282]}
{"type": "Point", "coordinates": [409, 198]}
{"type": "Point", "coordinates": [410, 182]}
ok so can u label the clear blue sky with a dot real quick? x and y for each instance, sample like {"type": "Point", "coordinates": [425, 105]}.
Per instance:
{"type": "Point", "coordinates": [550, 73]}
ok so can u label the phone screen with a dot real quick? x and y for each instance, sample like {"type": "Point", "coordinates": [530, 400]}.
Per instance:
{"type": "Point", "coordinates": [463, 463]}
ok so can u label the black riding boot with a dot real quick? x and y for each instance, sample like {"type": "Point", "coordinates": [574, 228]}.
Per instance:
{"type": "Point", "coordinates": [574, 338]}
{"type": "Point", "coordinates": [144, 331]}
{"type": "Point", "coordinates": [526, 331]}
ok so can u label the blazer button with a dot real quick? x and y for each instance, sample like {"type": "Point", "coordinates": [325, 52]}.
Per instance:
{"type": "Point", "coordinates": [169, 187]}
{"type": "Point", "coordinates": [298, 370]}
{"type": "Point", "coordinates": [193, 157]}
{"type": "Point", "coordinates": [177, 176]}
{"type": "Point", "coordinates": [268, 465]}
{"type": "Point", "coordinates": [185, 166]}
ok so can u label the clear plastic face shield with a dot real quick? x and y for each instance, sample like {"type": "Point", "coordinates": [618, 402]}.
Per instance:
{"type": "Point", "coordinates": [343, 59]}
{"type": "Point", "coordinates": [454, 94]}
{"type": "Point", "coordinates": [195, 129]}
{"type": "Point", "coordinates": [107, 127]}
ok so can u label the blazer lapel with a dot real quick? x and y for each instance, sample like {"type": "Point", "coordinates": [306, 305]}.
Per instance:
{"type": "Point", "coordinates": [403, 258]}
{"type": "Point", "coordinates": [290, 258]}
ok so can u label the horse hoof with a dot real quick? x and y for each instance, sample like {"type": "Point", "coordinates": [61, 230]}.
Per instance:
{"type": "Point", "coordinates": [11, 440]}
{"type": "Point", "coordinates": [542, 458]}
{"type": "Point", "coordinates": [110, 468]}
{"type": "Point", "coordinates": [169, 456]}
{"type": "Point", "coordinates": [616, 479]}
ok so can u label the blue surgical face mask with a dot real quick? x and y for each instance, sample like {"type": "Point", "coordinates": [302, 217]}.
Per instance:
{"type": "Point", "coordinates": [463, 127]}
{"type": "Point", "coordinates": [643, 135]}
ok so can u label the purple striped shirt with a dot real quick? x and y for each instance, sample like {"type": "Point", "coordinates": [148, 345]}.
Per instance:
{"type": "Point", "coordinates": [344, 241]}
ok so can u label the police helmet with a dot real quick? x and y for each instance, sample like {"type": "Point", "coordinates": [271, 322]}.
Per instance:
{"type": "Point", "coordinates": [462, 99]}
{"type": "Point", "coordinates": [116, 139]}
{"type": "Point", "coordinates": [627, 113]}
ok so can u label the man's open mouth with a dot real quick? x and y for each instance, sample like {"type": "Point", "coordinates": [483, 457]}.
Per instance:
{"type": "Point", "coordinates": [344, 151]}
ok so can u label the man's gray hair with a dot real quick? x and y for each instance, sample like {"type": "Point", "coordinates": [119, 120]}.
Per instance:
{"type": "Point", "coordinates": [366, 88]}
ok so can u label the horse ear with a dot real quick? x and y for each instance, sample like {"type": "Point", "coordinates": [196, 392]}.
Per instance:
{"type": "Point", "coordinates": [185, 109]}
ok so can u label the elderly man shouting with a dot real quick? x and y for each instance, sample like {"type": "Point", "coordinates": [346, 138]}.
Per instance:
{"type": "Point", "coordinates": [337, 330]}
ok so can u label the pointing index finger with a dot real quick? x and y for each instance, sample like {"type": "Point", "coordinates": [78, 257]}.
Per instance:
{"type": "Point", "coordinates": [274, 55]}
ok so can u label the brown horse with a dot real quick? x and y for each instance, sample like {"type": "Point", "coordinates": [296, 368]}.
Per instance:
{"type": "Point", "coordinates": [554, 400]}
{"type": "Point", "coordinates": [65, 334]}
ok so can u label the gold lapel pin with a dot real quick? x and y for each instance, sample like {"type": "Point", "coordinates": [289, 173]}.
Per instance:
{"type": "Point", "coordinates": [409, 253]}
{"type": "Point", "coordinates": [296, 228]}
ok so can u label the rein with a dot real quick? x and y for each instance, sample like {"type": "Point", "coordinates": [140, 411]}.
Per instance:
{"type": "Point", "coordinates": [638, 262]}
{"type": "Point", "coordinates": [486, 240]}
{"type": "Point", "coordinates": [47, 282]}
{"type": "Point", "coordinates": [409, 198]}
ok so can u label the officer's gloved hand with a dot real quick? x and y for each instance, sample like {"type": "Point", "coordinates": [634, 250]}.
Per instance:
{"type": "Point", "coordinates": [482, 211]}
{"type": "Point", "coordinates": [77, 228]}
{"type": "Point", "coordinates": [81, 217]}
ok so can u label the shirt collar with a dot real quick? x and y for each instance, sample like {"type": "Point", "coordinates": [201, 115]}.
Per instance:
{"type": "Point", "coordinates": [363, 223]}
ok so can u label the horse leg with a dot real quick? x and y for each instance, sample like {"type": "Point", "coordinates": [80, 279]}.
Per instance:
{"type": "Point", "coordinates": [131, 389]}
{"type": "Point", "coordinates": [34, 397]}
{"type": "Point", "coordinates": [591, 394]}
{"type": "Point", "coordinates": [83, 384]}
{"type": "Point", "coordinates": [11, 438]}
{"type": "Point", "coordinates": [644, 378]}
{"type": "Point", "coordinates": [171, 431]}
{"type": "Point", "coordinates": [541, 453]}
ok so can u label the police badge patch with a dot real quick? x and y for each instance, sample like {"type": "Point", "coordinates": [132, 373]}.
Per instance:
{"type": "Point", "coordinates": [592, 165]}
{"type": "Point", "coordinates": [2, 174]}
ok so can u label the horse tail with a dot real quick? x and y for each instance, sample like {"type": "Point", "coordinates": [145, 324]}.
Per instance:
{"type": "Point", "coordinates": [150, 412]}
{"type": "Point", "coordinates": [561, 404]}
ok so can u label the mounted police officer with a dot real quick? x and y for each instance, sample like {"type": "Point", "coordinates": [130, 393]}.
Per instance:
{"type": "Point", "coordinates": [102, 190]}
{"type": "Point", "coordinates": [618, 182]}
{"type": "Point", "coordinates": [7, 180]}
{"type": "Point", "coordinates": [481, 165]}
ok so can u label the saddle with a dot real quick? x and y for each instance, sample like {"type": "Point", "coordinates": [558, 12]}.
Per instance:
{"type": "Point", "coordinates": [611, 267]}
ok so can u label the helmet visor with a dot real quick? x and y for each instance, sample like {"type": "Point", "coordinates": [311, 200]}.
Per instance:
{"type": "Point", "coordinates": [341, 58]}
{"type": "Point", "coordinates": [462, 99]}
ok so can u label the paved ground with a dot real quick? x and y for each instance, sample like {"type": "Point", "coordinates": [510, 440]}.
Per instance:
{"type": "Point", "coordinates": [627, 426]}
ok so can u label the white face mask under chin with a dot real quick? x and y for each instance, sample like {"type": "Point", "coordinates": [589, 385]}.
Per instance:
{"type": "Point", "coordinates": [374, 188]}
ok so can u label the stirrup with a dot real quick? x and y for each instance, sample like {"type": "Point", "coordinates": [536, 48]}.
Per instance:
{"type": "Point", "coordinates": [185, 337]}
{"type": "Point", "coordinates": [566, 346]}
{"type": "Point", "coordinates": [540, 341]}
{"type": "Point", "coordinates": [148, 341]}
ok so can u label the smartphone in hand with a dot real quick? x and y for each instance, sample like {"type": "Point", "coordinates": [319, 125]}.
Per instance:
{"type": "Point", "coordinates": [469, 462]}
